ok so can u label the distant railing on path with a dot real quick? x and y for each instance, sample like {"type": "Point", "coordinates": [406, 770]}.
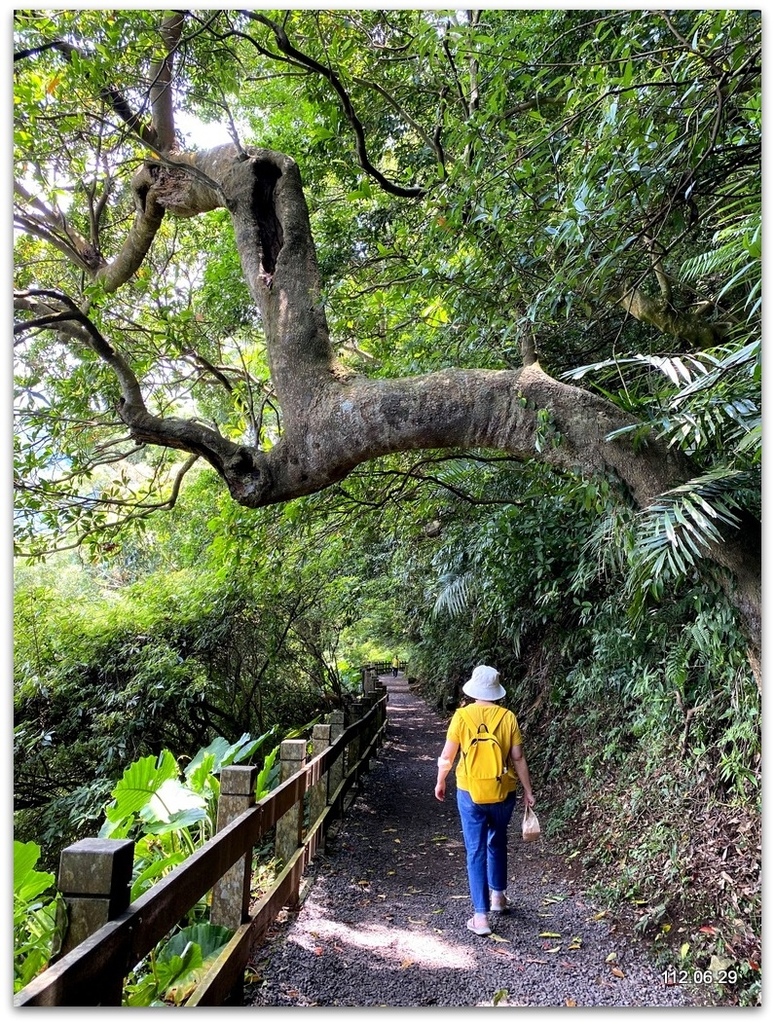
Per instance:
{"type": "Point", "coordinates": [107, 938]}
{"type": "Point", "coordinates": [383, 668]}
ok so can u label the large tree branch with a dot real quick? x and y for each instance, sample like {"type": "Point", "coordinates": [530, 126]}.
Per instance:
{"type": "Point", "coordinates": [660, 313]}
{"type": "Point", "coordinates": [161, 84]}
{"type": "Point", "coordinates": [335, 420]}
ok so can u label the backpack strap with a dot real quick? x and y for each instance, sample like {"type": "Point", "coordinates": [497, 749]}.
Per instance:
{"type": "Point", "coordinates": [468, 717]}
{"type": "Point", "coordinates": [499, 719]}
{"type": "Point", "coordinates": [474, 726]}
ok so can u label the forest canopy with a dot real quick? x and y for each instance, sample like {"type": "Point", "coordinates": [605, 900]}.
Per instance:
{"type": "Point", "coordinates": [428, 230]}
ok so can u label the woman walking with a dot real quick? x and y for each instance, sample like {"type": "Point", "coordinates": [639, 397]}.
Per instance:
{"type": "Point", "coordinates": [485, 825]}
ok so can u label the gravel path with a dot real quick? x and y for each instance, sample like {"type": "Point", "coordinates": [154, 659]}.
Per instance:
{"type": "Point", "coordinates": [382, 922]}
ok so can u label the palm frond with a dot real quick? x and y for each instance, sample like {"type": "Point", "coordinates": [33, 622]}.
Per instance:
{"type": "Point", "coordinates": [455, 595]}
{"type": "Point", "coordinates": [678, 528]}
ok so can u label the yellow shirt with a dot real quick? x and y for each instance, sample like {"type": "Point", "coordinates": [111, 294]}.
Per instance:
{"type": "Point", "coordinates": [506, 732]}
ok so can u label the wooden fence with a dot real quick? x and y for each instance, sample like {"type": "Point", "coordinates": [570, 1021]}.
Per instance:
{"type": "Point", "coordinates": [107, 938]}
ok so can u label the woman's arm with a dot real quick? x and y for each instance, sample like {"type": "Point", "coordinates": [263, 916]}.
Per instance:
{"type": "Point", "coordinates": [445, 762]}
{"type": "Point", "coordinates": [520, 767]}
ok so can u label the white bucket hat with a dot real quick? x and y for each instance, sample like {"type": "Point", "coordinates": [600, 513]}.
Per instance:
{"type": "Point", "coordinates": [484, 684]}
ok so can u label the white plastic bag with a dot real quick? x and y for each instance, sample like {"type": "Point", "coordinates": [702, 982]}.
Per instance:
{"type": "Point", "coordinates": [531, 829]}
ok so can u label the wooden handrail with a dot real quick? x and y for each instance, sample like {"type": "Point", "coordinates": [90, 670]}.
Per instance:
{"type": "Point", "coordinates": [87, 974]}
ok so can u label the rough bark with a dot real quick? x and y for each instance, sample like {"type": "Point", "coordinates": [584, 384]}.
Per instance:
{"type": "Point", "coordinates": [696, 332]}
{"type": "Point", "coordinates": [334, 419]}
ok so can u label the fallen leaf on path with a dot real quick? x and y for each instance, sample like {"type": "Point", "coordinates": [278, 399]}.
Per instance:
{"type": "Point", "coordinates": [617, 972]}
{"type": "Point", "coordinates": [406, 963]}
{"type": "Point", "coordinates": [498, 938]}
{"type": "Point", "coordinates": [570, 1002]}
{"type": "Point", "coordinates": [502, 952]}
{"type": "Point", "coordinates": [549, 935]}
{"type": "Point", "coordinates": [610, 958]}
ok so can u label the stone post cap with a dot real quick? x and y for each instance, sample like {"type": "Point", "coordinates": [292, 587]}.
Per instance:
{"type": "Point", "coordinates": [95, 867]}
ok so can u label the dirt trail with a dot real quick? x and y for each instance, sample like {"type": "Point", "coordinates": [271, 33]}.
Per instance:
{"type": "Point", "coordinates": [382, 921]}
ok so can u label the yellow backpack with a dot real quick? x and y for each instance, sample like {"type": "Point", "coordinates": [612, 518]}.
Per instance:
{"type": "Point", "coordinates": [483, 762]}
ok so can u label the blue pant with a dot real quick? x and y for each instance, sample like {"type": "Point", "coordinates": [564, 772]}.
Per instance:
{"type": "Point", "coordinates": [485, 828]}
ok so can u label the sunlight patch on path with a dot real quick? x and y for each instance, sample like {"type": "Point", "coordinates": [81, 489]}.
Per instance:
{"type": "Point", "coordinates": [393, 944]}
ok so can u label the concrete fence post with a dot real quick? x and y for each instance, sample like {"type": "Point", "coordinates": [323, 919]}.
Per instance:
{"type": "Point", "coordinates": [336, 771]}
{"type": "Point", "coordinates": [318, 797]}
{"type": "Point", "coordinates": [293, 754]}
{"type": "Point", "coordinates": [231, 893]}
{"type": "Point", "coordinates": [95, 877]}
{"type": "Point", "coordinates": [355, 710]}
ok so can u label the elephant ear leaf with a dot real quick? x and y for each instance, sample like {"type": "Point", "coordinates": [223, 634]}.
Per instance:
{"type": "Point", "coordinates": [28, 883]}
{"type": "Point", "coordinates": [206, 941]}
{"type": "Point", "coordinates": [173, 806]}
{"type": "Point", "coordinates": [141, 781]}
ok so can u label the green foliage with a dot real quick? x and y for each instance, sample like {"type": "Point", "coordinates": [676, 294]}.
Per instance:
{"type": "Point", "coordinates": [168, 811]}
{"type": "Point", "coordinates": [178, 636]}
{"type": "Point", "coordinates": [38, 915]}
{"type": "Point", "coordinates": [154, 797]}
{"type": "Point", "coordinates": [682, 523]}
{"type": "Point", "coordinates": [177, 967]}
{"type": "Point", "coordinates": [150, 789]}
